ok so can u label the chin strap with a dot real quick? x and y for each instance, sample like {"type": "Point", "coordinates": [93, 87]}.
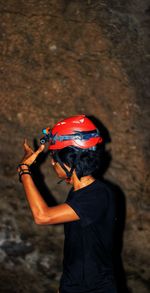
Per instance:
{"type": "Point", "coordinates": [68, 173]}
{"type": "Point", "coordinates": [78, 155]}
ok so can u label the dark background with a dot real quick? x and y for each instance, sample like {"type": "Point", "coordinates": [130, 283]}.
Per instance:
{"type": "Point", "coordinates": [60, 58]}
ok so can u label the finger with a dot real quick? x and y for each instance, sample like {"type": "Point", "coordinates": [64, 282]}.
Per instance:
{"type": "Point", "coordinates": [26, 146]}
{"type": "Point", "coordinates": [35, 154]}
{"type": "Point", "coordinates": [40, 149]}
{"type": "Point", "coordinates": [24, 142]}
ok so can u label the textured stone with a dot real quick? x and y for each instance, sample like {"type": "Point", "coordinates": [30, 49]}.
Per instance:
{"type": "Point", "coordinates": [60, 58]}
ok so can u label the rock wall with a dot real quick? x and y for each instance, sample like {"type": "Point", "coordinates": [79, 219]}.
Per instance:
{"type": "Point", "coordinates": [60, 58]}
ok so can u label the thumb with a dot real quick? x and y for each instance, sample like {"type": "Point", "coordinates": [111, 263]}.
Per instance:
{"type": "Point", "coordinates": [33, 157]}
{"type": "Point", "coordinates": [40, 149]}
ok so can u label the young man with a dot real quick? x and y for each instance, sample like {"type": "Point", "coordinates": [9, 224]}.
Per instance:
{"type": "Point", "coordinates": [88, 213]}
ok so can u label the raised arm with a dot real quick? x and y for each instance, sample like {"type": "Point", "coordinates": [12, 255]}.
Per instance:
{"type": "Point", "coordinates": [41, 212]}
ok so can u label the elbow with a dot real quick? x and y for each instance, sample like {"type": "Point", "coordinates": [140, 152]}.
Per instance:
{"type": "Point", "coordinates": [37, 221]}
{"type": "Point", "coordinates": [42, 219]}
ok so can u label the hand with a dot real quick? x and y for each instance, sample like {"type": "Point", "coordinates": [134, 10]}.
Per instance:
{"type": "Point", "coordinates": [29, 155]}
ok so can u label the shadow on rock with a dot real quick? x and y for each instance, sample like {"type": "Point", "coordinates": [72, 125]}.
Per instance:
{"type": "Point", "coordinates": [120, 275]}
{"type": "Point", "coordinates": [120, 204]}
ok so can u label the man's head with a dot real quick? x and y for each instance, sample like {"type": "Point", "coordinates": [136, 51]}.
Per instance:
{"type": "Point", "coordinates": [73, 143]}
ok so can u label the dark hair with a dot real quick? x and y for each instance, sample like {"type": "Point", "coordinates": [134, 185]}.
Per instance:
{"type": "Point", "coordinates": [85, 162]}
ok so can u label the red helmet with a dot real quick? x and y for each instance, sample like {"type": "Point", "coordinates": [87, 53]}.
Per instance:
{"type": "Point", "coordinates": [78, 131]}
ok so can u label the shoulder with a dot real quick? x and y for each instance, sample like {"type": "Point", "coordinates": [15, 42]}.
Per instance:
{"type": "Point", "coordinates": [93, 193]}
{"type": "Point", "coordinates": [90, 203]}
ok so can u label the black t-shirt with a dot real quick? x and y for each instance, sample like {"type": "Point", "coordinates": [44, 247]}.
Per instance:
{"type": "Point", "coordinates": [87, 265]}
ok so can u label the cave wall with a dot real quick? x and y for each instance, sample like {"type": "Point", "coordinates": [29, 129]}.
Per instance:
{"type": "Point", "coordinates": [60, 58]}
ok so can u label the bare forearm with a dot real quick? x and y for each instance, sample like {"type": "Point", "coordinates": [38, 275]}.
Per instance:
{"type": "Point", "coordinates": [42, 213]}
{"type": "Point", "coordinates": [36, 202]}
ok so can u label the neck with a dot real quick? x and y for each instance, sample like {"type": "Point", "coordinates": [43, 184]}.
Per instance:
{"type": "Point", "coordinates": [84, 181]}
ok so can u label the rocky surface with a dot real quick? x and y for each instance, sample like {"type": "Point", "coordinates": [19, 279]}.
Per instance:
{"type": "Point", "coordinates": [60, 58]}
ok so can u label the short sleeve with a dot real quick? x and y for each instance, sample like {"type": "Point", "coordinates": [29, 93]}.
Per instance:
{"type": "Point", "coordinates": [89, 204]}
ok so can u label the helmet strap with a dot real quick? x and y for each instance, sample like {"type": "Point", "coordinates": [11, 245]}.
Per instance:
{"type": "Point", "coordinates": [68, 173]}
